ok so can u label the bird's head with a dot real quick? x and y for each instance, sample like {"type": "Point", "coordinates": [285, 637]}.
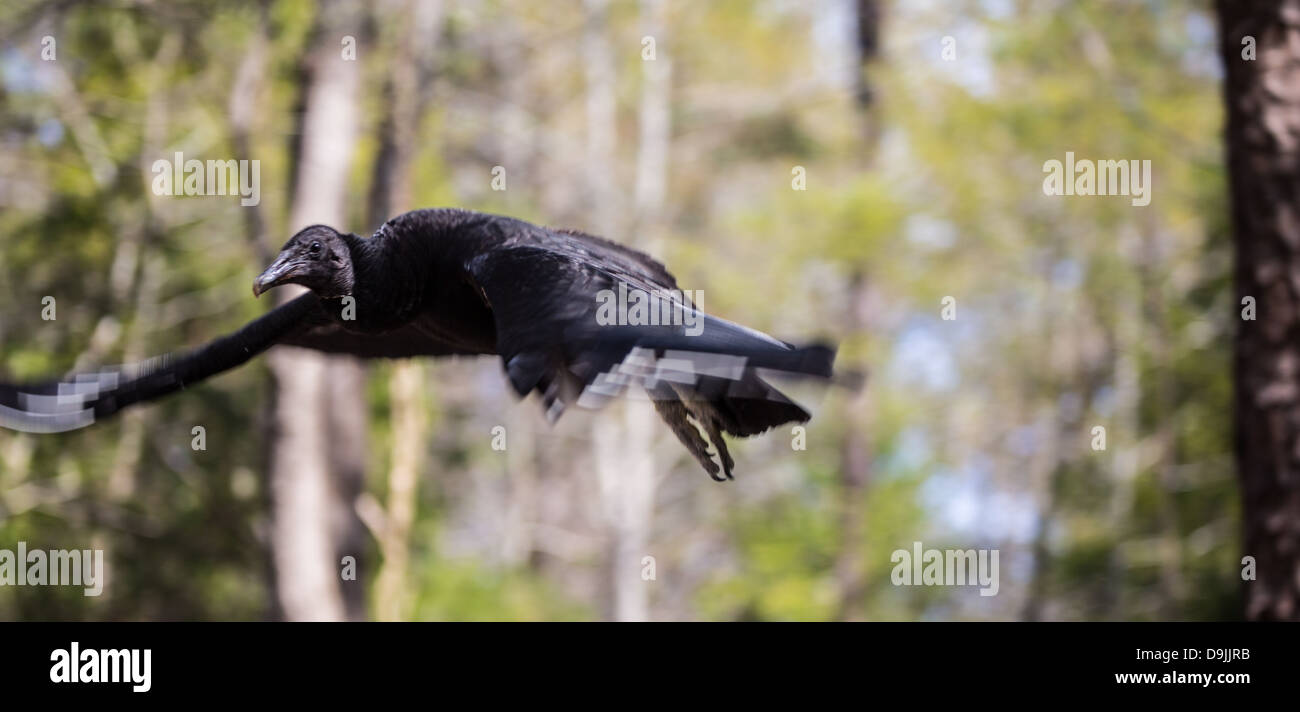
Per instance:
{"type": "Point", "coordinates": [318, 258]}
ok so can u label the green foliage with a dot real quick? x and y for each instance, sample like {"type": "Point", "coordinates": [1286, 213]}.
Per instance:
{"type": "Point", "coordinates": [1073, 313]}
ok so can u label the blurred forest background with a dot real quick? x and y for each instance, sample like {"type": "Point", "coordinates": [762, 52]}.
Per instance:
{"type": "Point", "coordinates": [923, 181]}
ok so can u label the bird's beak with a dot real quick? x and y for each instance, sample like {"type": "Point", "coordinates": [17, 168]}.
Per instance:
{"type": "Point", "coordinates": [280, 271]}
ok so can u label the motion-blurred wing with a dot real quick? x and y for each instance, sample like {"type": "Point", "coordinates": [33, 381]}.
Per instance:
{"type": "Point", "coordinates": [80, 399]}
{"type": "Point", "coordinates": [553, 337]}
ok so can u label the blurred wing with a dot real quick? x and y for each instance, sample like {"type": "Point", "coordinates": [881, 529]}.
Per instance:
{"type": "Point", "coordinates": [79, 399]}
{"type": "Point", "coordinates": [545, 296]}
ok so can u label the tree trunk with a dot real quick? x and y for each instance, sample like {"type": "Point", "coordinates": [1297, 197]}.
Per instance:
{"type": "Point", "coordinates": [317, 455]}
{"type": "Point", "coordinates": [855, 469]}
{"type": "Point", "coordinates": [405, 95]}
{"type": "Point", "coordinates": [857, 445]}
{"type": "Point", "coordinates": [1263, 144]}
{"type": "Point", "coordinates": [624, 436]}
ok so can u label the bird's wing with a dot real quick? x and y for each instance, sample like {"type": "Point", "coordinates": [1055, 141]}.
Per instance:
{"type": "Point", "coordinates": [545, 296]}
{"type": "Point", "coordinates": [622, 257]}
{"type": "Point", "coordinates": [319, 332]}
{"type": "Point", "coordinates": [79, 399]}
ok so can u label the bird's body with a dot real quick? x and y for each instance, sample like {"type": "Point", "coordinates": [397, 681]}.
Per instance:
{"type": "Point", "coordinates": [442, 282]}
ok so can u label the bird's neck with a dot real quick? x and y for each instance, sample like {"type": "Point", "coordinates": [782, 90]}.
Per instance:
{"type": "Point", "coordinates": [387, 287]}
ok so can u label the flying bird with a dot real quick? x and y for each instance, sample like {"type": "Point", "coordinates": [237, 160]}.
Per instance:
{"type": "Point", "coordinates": [439, 282]}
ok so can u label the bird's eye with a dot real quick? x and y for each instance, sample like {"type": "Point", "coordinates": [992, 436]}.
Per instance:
{"type": "Point", "coordinates": [315, 248]}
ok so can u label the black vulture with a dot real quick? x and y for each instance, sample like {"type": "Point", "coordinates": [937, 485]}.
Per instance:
{"type": "Point", "coordinates": [440, 282]}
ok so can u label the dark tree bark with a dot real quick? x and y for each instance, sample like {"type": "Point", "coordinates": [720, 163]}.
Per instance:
{"type": "Point", "coordinates": [868, 41]}
{"type": "Point", "coordinates": [1262, 96]}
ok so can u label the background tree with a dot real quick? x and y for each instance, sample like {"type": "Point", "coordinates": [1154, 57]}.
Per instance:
{"type": "Point", "coordinates": [1261, 58]}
